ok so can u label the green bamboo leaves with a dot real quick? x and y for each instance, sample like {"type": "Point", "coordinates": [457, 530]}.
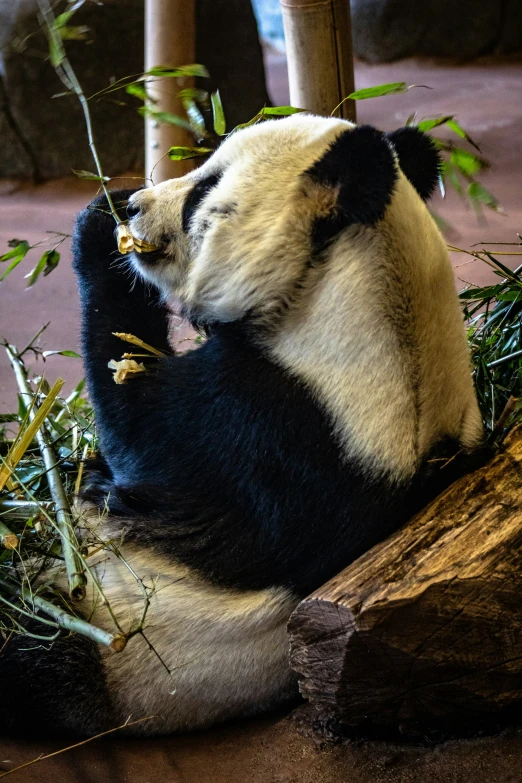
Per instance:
{"type": "Point", "coordinates": [19, 250]}
{"type": "Point", "coordinates": [494, 316]}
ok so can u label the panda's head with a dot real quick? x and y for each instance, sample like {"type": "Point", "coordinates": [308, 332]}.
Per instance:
{"type": "Point", "coordinates": [239, 236]}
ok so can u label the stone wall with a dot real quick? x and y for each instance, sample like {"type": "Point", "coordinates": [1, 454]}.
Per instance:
{"type": "Point", "coordinates": [385, 30]}
{"type": "Point", "coordinates": [45, 137]}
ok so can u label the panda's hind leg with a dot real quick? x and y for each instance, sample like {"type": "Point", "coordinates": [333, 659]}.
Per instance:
{"type": "Point", "coordinates": [51, 687]}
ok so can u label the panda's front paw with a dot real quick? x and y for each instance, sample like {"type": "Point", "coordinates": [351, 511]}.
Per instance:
{"type": "Point", "coordinates": [94, 239]}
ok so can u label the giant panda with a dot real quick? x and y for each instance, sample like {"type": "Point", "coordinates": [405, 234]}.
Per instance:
{"type": "Point", "coordinates": [309, 425]}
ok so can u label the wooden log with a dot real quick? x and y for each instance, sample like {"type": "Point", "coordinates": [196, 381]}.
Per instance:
{"type": "Point", "coordinates": [425, 630]}
{"type": "Point", "coordinates": [169, 40]}
{"type": "Point", "coordinates": [319, 51]}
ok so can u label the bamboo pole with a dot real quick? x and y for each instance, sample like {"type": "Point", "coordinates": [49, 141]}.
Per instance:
{"type": "Point", "coordinates": [75, 570]}
{"type": "Point", "coordinates": [319, 51]}
{"type": "Point", "coordinates": [62, 618]}
{"type": "Point", "coordinates": [169, 40]}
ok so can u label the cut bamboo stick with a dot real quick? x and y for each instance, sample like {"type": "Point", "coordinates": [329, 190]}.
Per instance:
{"type": "Point", "coordinates": [75, 570]}
{"type": "Point", "coordinates": [169, 40]}
{"type": "Point", "coordinates": [63, 619]}
{"type": "Point", "coordinates": [319, 52]}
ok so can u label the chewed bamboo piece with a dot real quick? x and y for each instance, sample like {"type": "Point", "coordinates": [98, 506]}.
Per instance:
{"type": "Point", "coordinates": [133, 340]}
{"type": "Point", "coordinates": [8, 539]}
{"type": "Point", "coordinates": [127, 242]}
{"type": "Point", "coordinates": [124, 368]}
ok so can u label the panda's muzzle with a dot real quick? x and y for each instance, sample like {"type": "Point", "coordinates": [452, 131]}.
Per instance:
{"type": "Point", "coordinates": [150, 254]}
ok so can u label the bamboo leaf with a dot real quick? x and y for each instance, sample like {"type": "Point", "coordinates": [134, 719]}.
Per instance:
{"type": "Point", "coordinates": [165, 71]}
{"type": "Point", "coordinates": [280, 111]}
{"type": "Point", "coordinates": [377, 91]}
{"type": "Point", "coordinates": [45, 265]}
{"type": "Point", "coordinates": [72, 354]}
{"type": "Point", "coordinates": [427, 125]}
{"type": "Point", "coordinates": [194, 94]}
{"type": "Point", "coordinates": [478, 192]}
{"type": "Point", "coordinates": [466, 162]}
{"type": "Point", "coordinates": [11, 266]}
{"type": "Point", "coordinates": [220, 125]}
{"type": "Point", "coordinates": [449, 172]}
{"type": "Point", "coordinates": [20, 248]}
{"type": "Point", "coordinates": [166, 117]}
{"type": "Point", "coordinates": [82, 174]}
{"type": "Point", "coordinates": [63, 18]}
{"type": "Point", "coordinates": [196, 118]}
{"type": "Point", "coordinates": [186, 153]}
{"type": "Point", "coordinates": [68, 33]}
{"type": "Point", "coordinates": [138, 91]}
{"type": "Point", "coordinates": [459, 131]}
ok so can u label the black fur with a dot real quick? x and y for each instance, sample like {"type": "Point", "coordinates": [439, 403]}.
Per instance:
{"type": "Point", "coordinates": [222, 460]}
{"type": "Point", "coordinates": [195, 197]}
{"type": "Point", "coordinates": [360, 163]}
{"type": "Point", "coordinates": [418, 158]}
{"type": "Point", "coordinates": [52, 686]}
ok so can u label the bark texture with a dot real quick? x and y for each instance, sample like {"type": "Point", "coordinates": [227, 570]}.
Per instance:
{"type": "Point", "coordinates": [425, 630]}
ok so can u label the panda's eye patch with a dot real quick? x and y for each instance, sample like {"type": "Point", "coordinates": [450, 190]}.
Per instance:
{"type": "Point", "coordinates": [196, 196]}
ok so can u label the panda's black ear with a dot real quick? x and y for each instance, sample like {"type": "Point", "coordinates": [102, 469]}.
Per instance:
{"type": "Point", "coordinates": [418, 158]}
{"type": "Point", "coordinates": [360, 165]}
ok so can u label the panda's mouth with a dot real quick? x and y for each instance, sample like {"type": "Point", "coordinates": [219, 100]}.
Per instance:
{"type": "Point", "coordinates": [150, 254]}
{"type": "Point", "coordinates": [145, 251]}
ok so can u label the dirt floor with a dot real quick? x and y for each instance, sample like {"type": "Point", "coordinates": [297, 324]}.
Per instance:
{"type": "Point", "coordinates": [487, 98]}
{"type": "Point", "coordinates": [269, 750]}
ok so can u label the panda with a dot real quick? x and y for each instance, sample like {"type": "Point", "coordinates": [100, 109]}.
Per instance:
{"type": "Point", "coordinates": [309, 425]}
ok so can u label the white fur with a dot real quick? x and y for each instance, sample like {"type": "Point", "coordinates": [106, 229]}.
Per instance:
{"type": "Point", "coordinates": [377, 332]}
{"type": "Point", "coordinates": [226, 650]}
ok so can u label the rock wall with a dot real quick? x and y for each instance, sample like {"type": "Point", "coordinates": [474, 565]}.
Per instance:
{"type": "Point", "coordinates": [386, 30]}
{"type": "Point", "coordinates": [45, 137]}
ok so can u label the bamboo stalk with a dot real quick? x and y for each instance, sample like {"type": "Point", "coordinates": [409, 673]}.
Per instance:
{"type": "Point", "coordinates": [64, 619]}
{"type": "Point", "coordinates": [319, 51]}
{"type": "Point", "coordinates": [68, 77]}
{"type": "Point", "coordinates": [169, 40]}
{"type": "Point", "coordinates": [36, 416]}
{"type": "Point", "coordinates": [75, 571]}
{"type": "Point", "coordinates": [22, 509]}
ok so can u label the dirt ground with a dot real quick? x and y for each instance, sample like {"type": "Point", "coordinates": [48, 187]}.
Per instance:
{"type": "Point", "coordinates": [268, 750]}
{"type": "Point", "coordinates": [487, 97]}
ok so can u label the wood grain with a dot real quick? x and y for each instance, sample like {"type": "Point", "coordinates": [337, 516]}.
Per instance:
{"type": "Point", "coordinates": [425, 630]}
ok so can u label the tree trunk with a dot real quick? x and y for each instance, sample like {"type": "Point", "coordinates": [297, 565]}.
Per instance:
{"type": "Point", "coordinates": [425, 630]}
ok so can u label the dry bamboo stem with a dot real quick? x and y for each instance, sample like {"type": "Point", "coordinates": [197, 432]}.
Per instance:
{"type": "Point", "coordinates": [22, 509]}
{"type": "Point", "coordinates": [169, 40]}
{"type": "Point", "coordinates": [73, 564]}
{"type": "Point", "coordinates": [67, 75]}
{"type": "Point", "coordinates": [68, 621]}
{"type": "Point", "coordinates": [319, 50]}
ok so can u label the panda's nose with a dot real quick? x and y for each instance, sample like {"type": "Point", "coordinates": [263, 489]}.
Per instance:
{"type": "Point", "coordinates": [133, 209]}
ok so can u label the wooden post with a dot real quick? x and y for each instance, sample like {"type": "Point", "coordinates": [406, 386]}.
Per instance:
{"type": "Point", "coordinates": [425, 630]}
{"type": "Point", "coordinates": [319, 52]}
{"type": "Point", "coordinates": [169, 40]}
